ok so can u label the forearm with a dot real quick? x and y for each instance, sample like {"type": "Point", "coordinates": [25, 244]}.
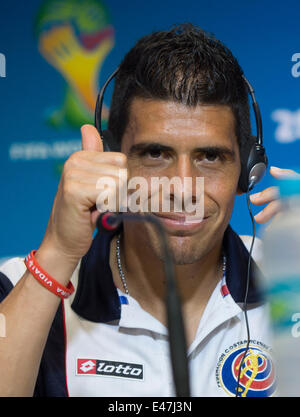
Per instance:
{"type": "Point", "coordinates": [29, 310]}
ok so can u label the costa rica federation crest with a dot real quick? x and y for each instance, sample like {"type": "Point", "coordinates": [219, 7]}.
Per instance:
{"type": "Point", "coordinates": [257, 375]}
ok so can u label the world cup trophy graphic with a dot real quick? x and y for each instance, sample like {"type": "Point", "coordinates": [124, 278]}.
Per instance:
{"type": "Point", "coordinates": [75, 36]}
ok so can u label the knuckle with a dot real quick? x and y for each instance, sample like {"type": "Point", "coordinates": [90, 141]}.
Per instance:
{"type": "Point", "coordinates": [67, 175]}
{"type": "Point", "coordinates": [69, 189]}
{"type": "Point", "coordinates": [119, 158]}
{"type": "Point", "coordinates": [74, 159]}
{"type": "Point", "coordinates": [123, 158]}
{"type": "Point", "coordinates": [71, 174]}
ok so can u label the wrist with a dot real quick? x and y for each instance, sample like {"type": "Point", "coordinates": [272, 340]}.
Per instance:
{"type": "Point", "coordinates": [56, 263]}
{"type": "Point", "coordinates": [45, 279]}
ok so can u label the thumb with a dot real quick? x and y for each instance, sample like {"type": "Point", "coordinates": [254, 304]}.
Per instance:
{"type": "Point", "coordinates": [90, 139]}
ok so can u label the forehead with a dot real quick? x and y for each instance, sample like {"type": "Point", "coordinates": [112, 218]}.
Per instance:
{"type": "Point", "coordinates": [178, 125]}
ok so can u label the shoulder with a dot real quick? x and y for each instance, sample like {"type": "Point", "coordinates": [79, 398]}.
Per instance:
{"type": "Point", "coordinates": [11, 271]}
{"type": "Point", "coordinates": [257, 252]}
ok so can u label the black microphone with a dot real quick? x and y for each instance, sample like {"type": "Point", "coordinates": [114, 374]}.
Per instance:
{"type": "Point", "coordinates": [108, 222]}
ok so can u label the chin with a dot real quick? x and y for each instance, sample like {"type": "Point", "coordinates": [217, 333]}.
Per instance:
{"type": "Point", "coordinates": [185, 250]}
{"type": "Point", "coordinates": [187, 246]}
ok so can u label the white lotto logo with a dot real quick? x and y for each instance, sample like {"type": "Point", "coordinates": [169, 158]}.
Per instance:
{"type": "Point", "coordinates": [110, 368]}
{"type": "Point", "coordinates": [288, 129]}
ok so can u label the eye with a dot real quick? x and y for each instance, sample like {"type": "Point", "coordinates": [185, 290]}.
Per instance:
{"type": "Point", "coordinates": [154, 153]}
{"type": "Point", "coordinates": [211, 156]}
{"type": "Point", "coordinates": [208, 156]}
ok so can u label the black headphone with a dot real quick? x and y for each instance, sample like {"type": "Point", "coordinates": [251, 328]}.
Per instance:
{"type": "Point", "coordinates": [254, 161]}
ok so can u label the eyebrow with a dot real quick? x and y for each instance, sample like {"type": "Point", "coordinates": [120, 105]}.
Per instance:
{"type": "Point", "coordinates": [151, 146]}
{"type": "Point", "coordinates": [221, 150]}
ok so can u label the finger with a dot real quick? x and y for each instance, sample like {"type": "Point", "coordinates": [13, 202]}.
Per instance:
{"type": "Point", "coordinates": [268, 212]}
{"type": "Point", "coordinates": [85, 177]}
{"type": "Point", "coordinates": [94, 216]}
{"type": "Point", "coordinates": [99, 170]}
{"type": "Point", "coordinates": [90, 139]}
{"type": "Point", "coordinates": [282, 172]}
{"type": "Point", "coordinates": [265, 196]}
{"type": "Point", "coordinates": [87, 159]}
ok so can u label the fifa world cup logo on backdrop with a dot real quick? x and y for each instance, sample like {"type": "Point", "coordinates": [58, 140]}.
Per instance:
{"type": "Point", "coordinates": [75, 36]}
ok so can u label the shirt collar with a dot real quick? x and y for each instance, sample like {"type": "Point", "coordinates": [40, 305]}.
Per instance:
{"type": "Point", "coordinates": [97, 299]}
{"type": "Point", "coordinates": [237, 270]}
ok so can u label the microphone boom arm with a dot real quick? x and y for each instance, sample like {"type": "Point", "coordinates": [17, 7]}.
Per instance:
{"type": "Point", "coordinates": [177, 337]}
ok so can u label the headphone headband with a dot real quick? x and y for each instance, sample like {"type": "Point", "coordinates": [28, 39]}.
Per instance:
{"type": "Point", "coordinates": [99, 103]}
{"type": "Point", "coordinates": [259, 130]}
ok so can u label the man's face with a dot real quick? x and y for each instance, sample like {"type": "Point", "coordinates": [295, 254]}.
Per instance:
{"type": "Point", "coordinates": [169, 139]}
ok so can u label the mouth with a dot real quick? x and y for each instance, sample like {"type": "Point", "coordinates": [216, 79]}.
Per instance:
{"type": "Point", "coordinates": [181, 222]}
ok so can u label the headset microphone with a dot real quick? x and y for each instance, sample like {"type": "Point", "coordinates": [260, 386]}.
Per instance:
{"type": "Point", "coordinates": [108, 221]}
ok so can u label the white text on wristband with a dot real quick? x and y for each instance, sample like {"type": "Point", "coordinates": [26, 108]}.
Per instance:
{"type": "Point", "coordinates": [45, 279]}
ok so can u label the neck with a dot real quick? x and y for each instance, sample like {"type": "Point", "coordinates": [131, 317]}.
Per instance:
{"type": "Point", "coordinates": [145, 277]}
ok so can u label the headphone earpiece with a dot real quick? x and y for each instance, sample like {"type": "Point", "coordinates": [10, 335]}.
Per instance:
{"type": "Point", "coordinates": [253, 164]}
{"type": "Point", "coordinates": [254, 160]}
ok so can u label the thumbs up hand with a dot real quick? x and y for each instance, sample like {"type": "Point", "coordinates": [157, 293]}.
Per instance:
{"type": "Point", "coordinates": [73, 217]}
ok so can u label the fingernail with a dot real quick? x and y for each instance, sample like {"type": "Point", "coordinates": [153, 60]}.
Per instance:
{"type": "Point", "coordinates": [255, 196]}
{"type": "Point", "coordinates": [257, 216]}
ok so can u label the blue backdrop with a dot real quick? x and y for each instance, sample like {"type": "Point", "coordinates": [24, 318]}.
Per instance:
{"type": "Point", "coordinates": [46, 96]}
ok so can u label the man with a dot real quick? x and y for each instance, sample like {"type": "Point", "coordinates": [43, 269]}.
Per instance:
{"type": "Point", "coordinates": [180, 109]}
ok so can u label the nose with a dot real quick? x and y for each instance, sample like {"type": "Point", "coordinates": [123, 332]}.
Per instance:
{"type": "Point", "coordinates": [184, 170]}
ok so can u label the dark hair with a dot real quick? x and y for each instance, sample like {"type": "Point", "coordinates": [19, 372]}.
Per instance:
{"type": "Point", "coordinates": [186, 65]}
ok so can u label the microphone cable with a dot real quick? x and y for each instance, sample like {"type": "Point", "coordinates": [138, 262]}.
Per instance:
{"type": "Point", "coordinates": [177, 340]}
{"type": "Point", "coordinates": [246, 291]}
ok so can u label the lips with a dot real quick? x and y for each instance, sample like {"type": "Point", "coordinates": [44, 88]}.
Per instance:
{"type": "Point", "coordinates": [181, 222]}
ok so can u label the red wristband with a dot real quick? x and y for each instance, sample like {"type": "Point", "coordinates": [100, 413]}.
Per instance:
{"type": "Point", "coordinates": [45, 279]}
